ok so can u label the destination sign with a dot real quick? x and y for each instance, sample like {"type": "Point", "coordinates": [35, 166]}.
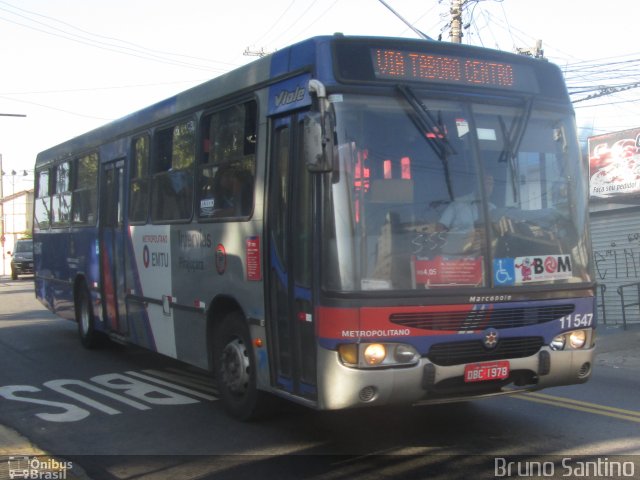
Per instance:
{"type": "Point", "coordinates": [403, 65]}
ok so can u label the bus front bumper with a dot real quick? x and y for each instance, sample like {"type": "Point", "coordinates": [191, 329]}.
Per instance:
{"type": "Point", "coordinates": [426, 383]}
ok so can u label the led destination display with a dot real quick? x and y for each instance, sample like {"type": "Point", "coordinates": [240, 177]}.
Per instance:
{"type": "Point", "coordinates": [406, 65]}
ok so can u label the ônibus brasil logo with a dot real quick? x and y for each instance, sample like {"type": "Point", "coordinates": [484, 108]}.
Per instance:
{"type": "Point", "coordinates": [38, 468]}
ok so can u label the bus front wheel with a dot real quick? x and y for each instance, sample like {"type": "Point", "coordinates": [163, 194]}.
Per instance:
{"type": "Point", "coordinates": [235, 369]}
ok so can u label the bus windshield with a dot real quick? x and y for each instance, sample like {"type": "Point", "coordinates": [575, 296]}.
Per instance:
{"type": "Point", "coordinates": [431, 193]}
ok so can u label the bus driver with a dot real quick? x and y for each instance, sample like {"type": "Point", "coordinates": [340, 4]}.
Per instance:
{"type": "Point", "coordinates": [462, 214]}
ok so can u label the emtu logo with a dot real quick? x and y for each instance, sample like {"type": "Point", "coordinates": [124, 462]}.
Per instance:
{"type": "Point", "coordinates": [145, 256]}
{"type": "Point", "coordinates": [154, 259]}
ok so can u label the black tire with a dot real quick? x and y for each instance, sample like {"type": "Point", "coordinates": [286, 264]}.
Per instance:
{"type": "Point", "coordinates": [234, 368]}
{"type": "Point", "coordinates": [89, 337]}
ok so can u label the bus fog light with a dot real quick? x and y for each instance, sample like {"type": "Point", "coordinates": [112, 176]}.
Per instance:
{"type": "Point", "coordinates": [367, 394]}
{"type": "Point", "coordinates": [577, 339]}
{"type": "Point", "coordinates": [405, 354]}
{"type": "Point", "coordinates": [374, 354]}
{"type": "Point", "coordinates": [585, 370]}
{"type": "Point", "coordinates": [558, 343]}
{"type": "Point", "coordinates": [348, 353]}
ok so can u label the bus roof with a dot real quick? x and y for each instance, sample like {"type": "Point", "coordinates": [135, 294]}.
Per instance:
{"type": "Point", "coordinates": [315, 55]}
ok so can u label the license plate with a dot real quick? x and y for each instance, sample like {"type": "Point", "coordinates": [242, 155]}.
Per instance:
{"type": "Point", "coordinates": [483, 372]}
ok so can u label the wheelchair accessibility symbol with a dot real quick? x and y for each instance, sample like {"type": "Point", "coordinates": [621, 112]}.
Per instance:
{"type": "Point", "coordinates": [503, 271]}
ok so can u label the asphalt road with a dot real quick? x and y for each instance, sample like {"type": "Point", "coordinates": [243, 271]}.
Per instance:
{"type": "Point", "coordinates": [122, 412]}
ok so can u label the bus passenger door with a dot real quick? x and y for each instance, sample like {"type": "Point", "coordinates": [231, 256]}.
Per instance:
{"type": "Point", "coordinates": [289, 227]}
{"type": "Point", "coordinates": [112, 257]}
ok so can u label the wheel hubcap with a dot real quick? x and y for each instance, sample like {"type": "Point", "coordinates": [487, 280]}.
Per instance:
{"type": "Point", "coordinates": [84, 318]}
{"type": "Point", "coordinates": [235, 367]}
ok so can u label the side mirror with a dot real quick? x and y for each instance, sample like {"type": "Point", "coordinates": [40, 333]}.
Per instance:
{"type": "Point", "coordinates": [316, 144]}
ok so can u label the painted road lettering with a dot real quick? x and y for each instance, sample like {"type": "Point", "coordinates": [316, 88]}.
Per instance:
{"type": "Point", "coordinates": [140, 393]}
{"type": "Point", "coordinates": [70, 412]}
{"type": "Point", "coordinates": [60, 386]}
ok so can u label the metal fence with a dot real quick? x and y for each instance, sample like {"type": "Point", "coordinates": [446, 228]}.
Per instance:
{"type": "Point", "coordinates": [634, 302]}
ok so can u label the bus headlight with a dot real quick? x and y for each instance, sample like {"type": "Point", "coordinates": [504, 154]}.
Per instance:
{"type": "Point", "coordinates": [405, 354]}
{"type": "Point", "coordinates": [348, 353]}
{"type": "Point", "coordinates": [374, 354]}
{"type": "Point", "coordinates": [371, 355]}
{"type": "Point", "coordinates": [558, 342]}
{"type": "Point", "coordinates": [577, 339]}
{"type": "Point", "coordinates": [574, 340]}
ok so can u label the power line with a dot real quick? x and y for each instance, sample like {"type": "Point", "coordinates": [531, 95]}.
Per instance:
{"type": "Point", "coordinates": [293, 36]}
{"type": "Point", "coordinates": [106, 43]}
{"type": "Point", "coordinates": [111, 87]}
{"type": "Point", "coordinates": [314, 21]}
{"type": "Point", "coordinates": [57, 109]}
{"type": "Point", "coordinates": [613, 80]}
{"type": "Point", "coordinates": [273, 25]}
{"type": "Point", "coordinates": [285, 30]}
{"type": "Point", "coordinates": [134, 46]}
{"type": "Point", "coordinates": [619, 102]}
{"type": "Point", "coordinates": [406, 22]}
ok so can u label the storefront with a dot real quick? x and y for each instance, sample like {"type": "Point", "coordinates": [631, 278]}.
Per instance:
{"type": "Point", "coordinates": [614, 169]}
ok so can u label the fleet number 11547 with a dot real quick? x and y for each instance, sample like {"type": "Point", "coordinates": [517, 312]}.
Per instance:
{"type": "Point", "coordinates": [576, 320]}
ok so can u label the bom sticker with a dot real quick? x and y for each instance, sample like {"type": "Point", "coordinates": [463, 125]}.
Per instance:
{"type": "Point", "coordinates": [539, 268]}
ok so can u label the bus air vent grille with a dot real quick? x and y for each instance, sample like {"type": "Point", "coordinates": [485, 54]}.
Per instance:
{"type": "Point", "coordinates": [480, 319]}
{"type": "Point", "coordinates": [455, 353]}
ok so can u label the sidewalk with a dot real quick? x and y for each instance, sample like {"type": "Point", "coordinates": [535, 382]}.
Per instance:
{"type": "Point", "coordinates": [616, 347]}
{"type": "Point", "coordinates": [12, 443]}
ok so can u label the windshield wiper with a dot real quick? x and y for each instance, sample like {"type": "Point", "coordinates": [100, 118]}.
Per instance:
{"type": "Point", "coordinates": [427, 124]}
{"type": "Point", "coordinates": [512, 140]}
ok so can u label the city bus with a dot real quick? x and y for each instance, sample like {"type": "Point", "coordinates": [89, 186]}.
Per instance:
{"type": "Point", "coordinates": [347, 222]}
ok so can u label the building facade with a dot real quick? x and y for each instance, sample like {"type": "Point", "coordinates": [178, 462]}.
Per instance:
{"type": "Point", "coordinates": [16, 221]}
{"type": "Point", "coordinates": [614, 170]}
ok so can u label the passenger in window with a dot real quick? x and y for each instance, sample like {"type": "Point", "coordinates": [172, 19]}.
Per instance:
{"type": "Point", "coordinates": [232, 193]}
{"type": "Point", "coordinates": [180, 193]}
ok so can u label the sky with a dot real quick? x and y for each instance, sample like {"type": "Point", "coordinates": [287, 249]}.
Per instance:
{"type": "Point", "coordinates": [73, 65]}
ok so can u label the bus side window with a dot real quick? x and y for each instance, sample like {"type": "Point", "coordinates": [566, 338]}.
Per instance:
{"type": "Point", "coordinates": [84, 198]}
{"type": "Point", "coordinates": [61, 199]}
{"type": "Point", "coordinates": [227, 170]}
{"type": "Point", "coordinates": [42, 209]}
{"type": "Point", "coordinates": [172, 183]}
{"type": "Point", "coordinates": [139, 184]}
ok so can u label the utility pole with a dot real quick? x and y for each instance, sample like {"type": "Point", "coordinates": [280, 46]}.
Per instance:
{"type": "Point", "coordinates": [536, 52]}
{"type": "Point", "coordinates": [2, 236]}
{"type": "Point", "coordinates": [456, 21]}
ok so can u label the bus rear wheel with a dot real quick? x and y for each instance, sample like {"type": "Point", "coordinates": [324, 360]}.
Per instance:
{"type": "Point", "coordinates": [235, 370]}
{"type": "Point", "coordinates": [89, 337]}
